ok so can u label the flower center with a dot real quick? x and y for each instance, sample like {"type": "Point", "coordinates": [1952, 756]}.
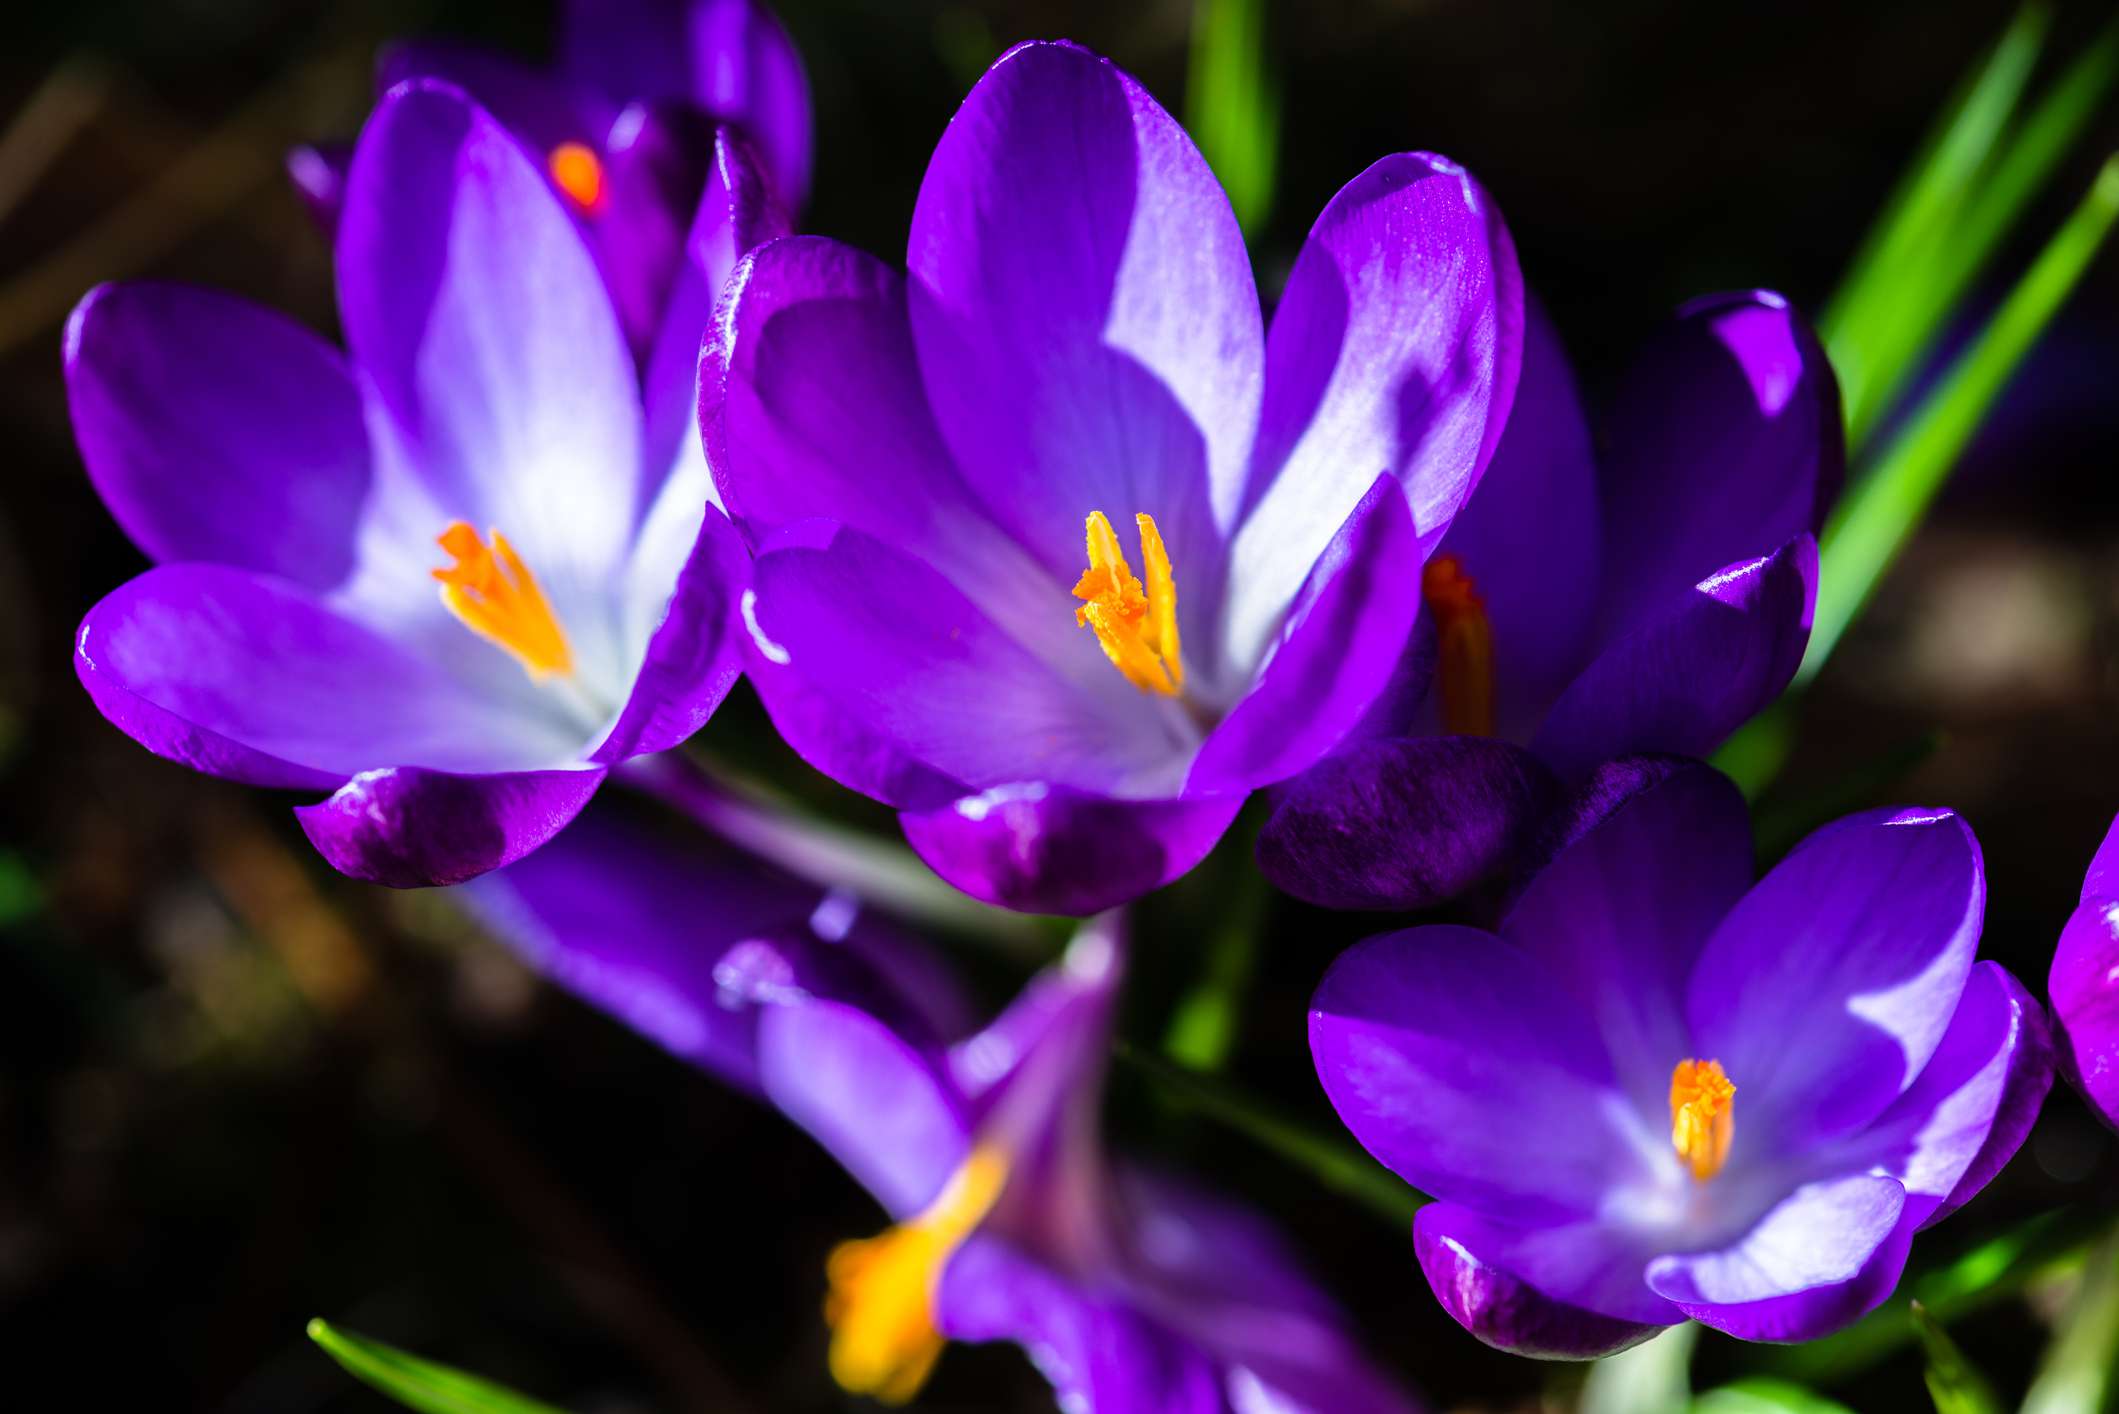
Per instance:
{"type": "Point", "coordinates": [881, 1307]}
{"type": "Point", "coordinates": [577, 171]}
{"type": "Point", "coordinates": [1135, 623]}
{"type": "Point", "coordinates": [1464, 647]}
{"type": "Point", "coordinates": [1702, 1116]}
{"type": "Point", "coordinates": [492, 592]}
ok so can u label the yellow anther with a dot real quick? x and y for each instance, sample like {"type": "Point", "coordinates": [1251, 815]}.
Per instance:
{"type": "Point", "coordinates": [1702, 1116]}
{"type": "Point", "coordinates": [1135, 623]}
{"type": "Point", "coordinates": [881, 1307]}
{"type": "Point", "coordinates": [495, 596]}
{"type": "Point", "coordinates": [577, 171]}
{"type": "Point", "coordinates": [1464, 647]}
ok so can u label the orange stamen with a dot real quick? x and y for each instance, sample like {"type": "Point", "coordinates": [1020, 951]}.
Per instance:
{"type": "Point", "coordinates": [1464, 644]}
{"type": "Point", "coordinates": [1136, 624]}
{"type": "Point", "coordinates": [1702, 1116]}
{"type": "Point", "coordinates": [494, 594]}
{"type": "Point", "coordinates": [577, 171]}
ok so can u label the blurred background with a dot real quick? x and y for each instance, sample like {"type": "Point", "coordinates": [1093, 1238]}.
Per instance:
{"type": "Point", "coordinates": [237, 1091]}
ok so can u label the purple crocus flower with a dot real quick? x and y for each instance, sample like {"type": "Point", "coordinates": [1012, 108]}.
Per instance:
{"type": "Point", "coordinates": [2084, 984]}
{"type": "Point", "coordinates": [1078, 342]}
{"type": "Point", "coordinates": [292, 633]}
{"type": "Point", "coordinates": [1133, 1292]}
{"type": "Point", "coordinates": [686, 939]}
{"type": "Point", "coordinates": [1664, 1091]}
{"type": "Point", "coordinates": [1585, 606]}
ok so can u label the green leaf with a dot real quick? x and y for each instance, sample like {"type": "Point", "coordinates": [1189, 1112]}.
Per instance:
{"type": "Point", "coordinates": [1765, 1396]}
{"type": "Point", "coordinates": [420, 1384]}
{"type": "Point", "coordinates": [1953, 1383]}
{"type": "Point", "coordinates": [1334, 1163]}
{"type": "Point", "coordinates": [1866, 533]}
{"type": "Point", "coordinates": [2075, 1377]}
{"type": "Point", "coordinates": [1203, 1027]}
{"type": "Point", "coordinates": [1232, 105]}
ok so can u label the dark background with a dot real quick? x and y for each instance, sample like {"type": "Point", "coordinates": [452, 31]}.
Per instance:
{"type": "Point", "coordinates": [237, 1091]}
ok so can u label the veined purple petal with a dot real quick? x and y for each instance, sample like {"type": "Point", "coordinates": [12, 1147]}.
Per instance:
{"type": "Point", "coordinates": [216, 430]}
{"type": "Point", "coordinates": [1443, 1048]}
{"type": "Point", "coordinates": [1530, 539]}
{"type": "Point", "coordinates": [1829, 987]}
{"type": "Point", "coordinates": [1621, 929]}
{"type": "Point", "coordinates": [1725, 441]}
{"type": "Point", "coordinates": [694, 655]}
{"type": "Point", "coordinates": [873, 1099]}
{"type": "Point", "coordinates": [1955, 1126]}
{"type": "Point", "coordinates": [1515, 1288]}
{"type": "Point", "coordinates": [408, 827]}
{"type": "Point", "coordinates": [1344, 636]}
{"type": "Point", "coordinates": [191, 658]}
{"type": "Point", "coordinates": [1395, 348]}
{"type": "Point", "coordinates": [1085, 317]}
{"type": "Point", "coordinates": [1404, 823]}
{"type": "Point", "coordinates": [1827, 1255]}
{"type": "Point", "coordinates": [730, 57]}
{"type": "Point", "coordinates": [474, 308]}
{"type": "Point", "coordinates": [1043, 848]}
{"type": "Point", "coordinates": [1681, 682]}
{"type": "Point", "coordinates": [2084, 984]}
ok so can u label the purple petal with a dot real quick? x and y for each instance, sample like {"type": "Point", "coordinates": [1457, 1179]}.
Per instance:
{"type": "Point", "coordinates": [1826, 1256]}
{"type": "Point", "coordinates": [895, 645]}
{"type": "Point", "coordinates": [731, 57]}
{"type": "Point", "coordinates": [472, 304]}
{"type": "Point", "coordinates": [1621, 928]}
{"type": "Point", "coordinates": [1967, 1114]}
{"type": "Point", "coordinates": [1043, 848]}
{"type": "Point", "coordinates": [540, 110]}
{"type": "Point", "coordinates": [1681, 682]}
{"type": "Point", "coordinates": [1099, 1351]}
{"type": "Point", "coordinates": [1423, 1038]}
{"type": "Point", "coordinates": [686, 941]}
{"type": "Point", "coordinates": [872, 1098]}
{"type": "Point", "coordinates": [1405, 823]}
{"type": "Point", "coordinates": [1529, 536]}
{"type": "Point", "coordinates": [1724, 442]}
{"type": "Point", "coordinates": [1396, 348]}
{"type": "Point", "coordinates": [1469, 1262]}
{"type": "Point", "coordinates": [1827, 989]}
{"type": "Point", "coordinates": [655, 171]}
{"type": "Point", "coordinates": [216, 430]}
{"type": "Point", "coordinates": [2084, 985]}
{"type": "Point", "coordinates": [408, 827]}
{"type": "Point", "coordinates": [695, 654]}
{"type": "Point", "coordinates": [318, 172]}
{"type": "Point", "coordinates": [191, 660]}
{"type": "Point", "coordinates": [1085, 316]}
{"type": "Point", "coordinates": [1342, 641]}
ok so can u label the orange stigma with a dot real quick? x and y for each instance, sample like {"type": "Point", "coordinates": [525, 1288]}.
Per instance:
{"type": "Point", "coordinates": [881, 1307]}
{"type": "Point", "coordinates": [1464, 647]}
{"type": "Point", "coordinates": [1135, 623]}
{"type": "Point", "coordinates": [577, 171]}
{"type": "Point", "coordinates": [1702, 1116]}
{"type": "Point", "coordinates": [495, 596]}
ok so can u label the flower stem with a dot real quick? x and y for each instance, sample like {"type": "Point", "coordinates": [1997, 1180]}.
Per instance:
{"type": "Point", "coordinates": [1337, 1165]}
{"type": "Point", "coordinates": [755, 817]}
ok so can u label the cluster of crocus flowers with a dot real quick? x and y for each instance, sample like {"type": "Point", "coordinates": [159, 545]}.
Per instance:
{"type": "Point", "coordinates": [1077, 343]}
{"type": "Point", "coordinates": [1741, 1099]}
{"type": "Point", "coordinates": [486, 429]}
{"type": "Point", "coordinates": [1650, 596]}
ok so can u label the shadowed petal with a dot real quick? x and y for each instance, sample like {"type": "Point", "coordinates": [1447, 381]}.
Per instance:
{"type": "Point", "coordinates": [2084, 985]}
{"type": "Point", "coordinates": [1042, 848]}
{"type": "Point", "coordinates": [694, 655]}
{"type": "Point", "coordinates": [1396, 349]}
{"type": "Point", "coordinates": [216, 430]}
{"type": "Point", "coordinates": [1481, 1273]}
{"type": "Point", "coordinates": [408, 827]}
{"type": "Point", "coordinates": [538, 108]}
{"type": "Point", "coordinates": [1680, 683]}
{"type": "Point", "coordinates": [1404, 823]}
{"type": "Point", "coordinates": [1724, 440]}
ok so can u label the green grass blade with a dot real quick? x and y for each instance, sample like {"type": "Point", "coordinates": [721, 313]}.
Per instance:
{"type": "Point", "coordinates": [1858, 317]}
{"type": "Point", "coordinates": [1953, 1383]}
{"type": "Point", "coordinates": [2075, 1377]}
{"type": "Point", "coordinates": [1655, 1377]}
{"type": "Point", "coordinates": [1232, 105]}
{"type": "Point", "coordinates": [420, 1384]}
{"type": "Point", "coordinates": [1881, 511]}
{"type": "Point", "coordinates": [1765, 1396]}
